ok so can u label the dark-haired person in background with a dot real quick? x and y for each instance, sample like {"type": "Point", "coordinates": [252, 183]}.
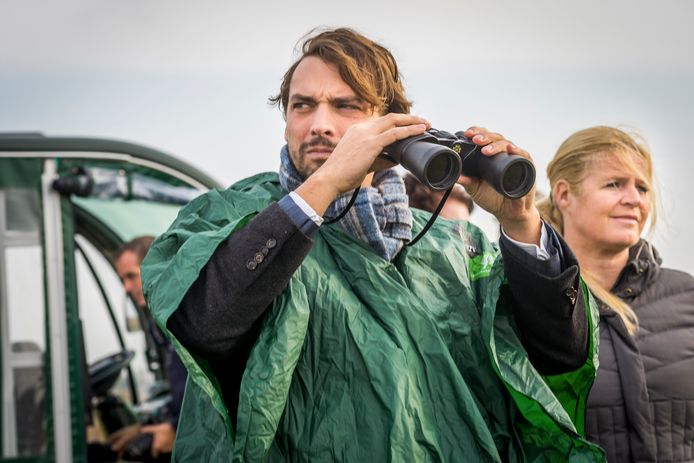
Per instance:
{"type": "Point", "coordinates": [128, 260]}
{"type": "Point", "coordinates": [309, 341]}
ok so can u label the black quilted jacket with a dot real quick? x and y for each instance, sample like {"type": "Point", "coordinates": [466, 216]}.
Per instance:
{"type": "Point", "coordinates": [641, 407]}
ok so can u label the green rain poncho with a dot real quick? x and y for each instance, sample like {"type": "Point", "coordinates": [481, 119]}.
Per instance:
{"type": "Point", "coordinates": [360, 359]}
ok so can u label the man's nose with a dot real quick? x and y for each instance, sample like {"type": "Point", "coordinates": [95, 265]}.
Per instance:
{"type": "Point", "coordinates": [128, 286]}
{"type": "Point", "coordinates": [322, 123]}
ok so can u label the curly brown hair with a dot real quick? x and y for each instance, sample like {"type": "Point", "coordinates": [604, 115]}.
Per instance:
{"type": "Point", "coordinates": [139, 246]}
{"type": "Point", "coordinates": [367, 67]}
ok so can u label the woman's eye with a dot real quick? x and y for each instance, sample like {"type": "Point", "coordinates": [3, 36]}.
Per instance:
{"type": "Point", "coordinates": [612, 184]}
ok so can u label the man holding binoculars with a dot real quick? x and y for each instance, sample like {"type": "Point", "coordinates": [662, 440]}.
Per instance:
{"type": "Point", "coordinates": [309, 337]}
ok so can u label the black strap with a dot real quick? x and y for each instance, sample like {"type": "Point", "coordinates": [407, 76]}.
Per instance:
{"type": "Point", "coordinates": [426, 228]}
{"type": "Point", "coordinates": [434, 215]}
{"type": "Point", "coordinates": [346, 209]}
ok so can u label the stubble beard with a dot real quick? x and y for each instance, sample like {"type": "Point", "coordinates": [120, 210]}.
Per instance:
{"type": "Point", "coordinates": [303, 166]}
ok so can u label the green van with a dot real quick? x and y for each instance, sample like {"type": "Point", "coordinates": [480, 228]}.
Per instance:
{"type": "Point", "coordinates": [69, 340]}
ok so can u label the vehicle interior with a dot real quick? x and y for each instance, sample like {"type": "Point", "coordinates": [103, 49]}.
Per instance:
{"type": "Point", "coordinates": [75, 361]}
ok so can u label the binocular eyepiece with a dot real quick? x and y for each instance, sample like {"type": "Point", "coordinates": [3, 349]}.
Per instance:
{"type": "Point", "coordinates": [437, 159]}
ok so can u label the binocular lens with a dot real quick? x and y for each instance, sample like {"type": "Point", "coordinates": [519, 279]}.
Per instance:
{"type": "Point", "coordinates": [517, 178]}
{"type": "Point", "coordinates": [438, 162]}
{"type": "Point", "coordinates": [439, 169]}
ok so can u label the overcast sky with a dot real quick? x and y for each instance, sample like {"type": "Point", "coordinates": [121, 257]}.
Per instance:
{"type": "Point", "coordinates": [192, 78]}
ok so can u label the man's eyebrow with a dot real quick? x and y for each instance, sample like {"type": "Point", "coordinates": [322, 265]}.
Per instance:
{"type": "Point", "coordinates": [298, 97]}
{"type": "Point", "coordinates": [302, 98]}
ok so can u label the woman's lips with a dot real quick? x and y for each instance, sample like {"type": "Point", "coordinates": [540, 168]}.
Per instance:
{"type": "Point", "coordinates": [628, 219]}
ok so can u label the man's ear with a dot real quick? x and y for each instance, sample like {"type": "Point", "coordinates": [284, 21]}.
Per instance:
{"type": "Point", "coordinates": [561, 194]}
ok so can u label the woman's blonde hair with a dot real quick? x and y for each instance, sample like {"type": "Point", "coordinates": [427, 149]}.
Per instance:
{"type": "Point", "coordinates": [572, 163]}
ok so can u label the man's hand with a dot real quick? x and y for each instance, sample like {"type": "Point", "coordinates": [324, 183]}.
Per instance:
{"type": "Point", "coordinates": [164, 436]}
{"type": "Point", "coordinates": [355, 156]}
{"type": "Point", "coordinates": [519, 218]}
{"type": "Point", "coordinates": [121, 438]}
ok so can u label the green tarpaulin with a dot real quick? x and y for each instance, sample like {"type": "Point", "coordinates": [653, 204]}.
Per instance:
{"type": "Point", "coordinates": [360, 359]}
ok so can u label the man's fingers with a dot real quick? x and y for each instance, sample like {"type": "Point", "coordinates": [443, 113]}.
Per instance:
{"type": "Point", "coordinates": [505, 146]}
{"type": "Point", "coordinates": [381, 164]}
{"type": "Point", "coordinates": [163, 438]}
{"type": "Point", "coordinates": [400, 120]}
{"type": "Point", "coordinates": [119, 439]}
{"type": "Point", "coordinates": [387, 129]}
{"type": "Point", "coordinates": [392, 121]}
{"type": "Point", "coordinates": [513, 149]}
{"type": "Point", "coordinates": [492, 142]}
{"type": "Point", "coordinates": [391, 136]}
{"type": "Point", "coordinates": [497, 147]}
{"type": "Point", "coordinates": [471, 184]}
{"type": "Point", "coordinates": [154, 430]}
{"type": "Point", "coordinates": [474, 130]}
{"type": "Point", "coordinates": [400, 133]}
{"type": "Point", "coordinates": [118, 443]}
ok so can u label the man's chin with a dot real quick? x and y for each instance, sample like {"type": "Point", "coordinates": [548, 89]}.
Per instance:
{"type": "Point", "coordinates": [309, 170]}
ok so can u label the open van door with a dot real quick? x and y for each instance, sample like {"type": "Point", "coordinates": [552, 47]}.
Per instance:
{"type": "Point", "coordinates": [66, 205]}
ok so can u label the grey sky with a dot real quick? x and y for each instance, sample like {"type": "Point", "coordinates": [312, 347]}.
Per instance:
{"type": "Point", "coordinates": [192, 78]}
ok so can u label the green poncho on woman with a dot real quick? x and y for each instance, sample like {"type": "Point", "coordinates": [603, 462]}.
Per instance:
{"type": "Point", "coordinates": [360, 359]}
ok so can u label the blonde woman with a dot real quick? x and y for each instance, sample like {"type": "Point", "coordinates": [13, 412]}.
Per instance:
{"type": "Point", "coordinates": [641, 407]}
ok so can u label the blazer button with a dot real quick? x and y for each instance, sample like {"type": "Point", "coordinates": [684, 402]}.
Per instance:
{"type": "Point", "coordinates": [265, 250]}
{"type": "Point", "coordinates": [251, 265]}
{"type": "Point", "coordinates": [271, 243]}
{"type": "Point", "coordinates": [259, 257]}
{"type": "Point", "coordinates": [629, 291]}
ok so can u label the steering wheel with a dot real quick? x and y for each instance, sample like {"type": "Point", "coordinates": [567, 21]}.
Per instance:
{"type": "Point", "coordinates": [104, 372]}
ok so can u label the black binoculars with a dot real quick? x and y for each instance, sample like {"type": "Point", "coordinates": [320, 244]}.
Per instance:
{"type": "Point", "coordinates": [437, 159]}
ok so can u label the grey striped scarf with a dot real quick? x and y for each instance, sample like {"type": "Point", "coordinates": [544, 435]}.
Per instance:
{"type": "Point", "coordinates": [380, 216]}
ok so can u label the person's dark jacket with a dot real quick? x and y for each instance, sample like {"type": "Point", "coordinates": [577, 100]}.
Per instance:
{"type": "Point", "coordinates": [176, 372]}
{"type": "Point", "coordinates": [641, 407]}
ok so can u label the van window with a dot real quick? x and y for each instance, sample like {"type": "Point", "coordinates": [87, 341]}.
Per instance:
{"type": "Point", "coordinates": [22, 326]}
{"type": "Point", "coordinates": [99, 331]}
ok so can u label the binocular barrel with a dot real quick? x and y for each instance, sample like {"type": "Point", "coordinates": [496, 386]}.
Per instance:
{"type": "Point", "coordinates": [436, 166]}
{"type": "Point", "coordinates": [438, 163]}
{"type": "Point", "coordinates": [511, 175]}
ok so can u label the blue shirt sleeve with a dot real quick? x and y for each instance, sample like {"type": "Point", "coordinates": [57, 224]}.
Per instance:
{"type": "Point", "coordinates": [303, 222]}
